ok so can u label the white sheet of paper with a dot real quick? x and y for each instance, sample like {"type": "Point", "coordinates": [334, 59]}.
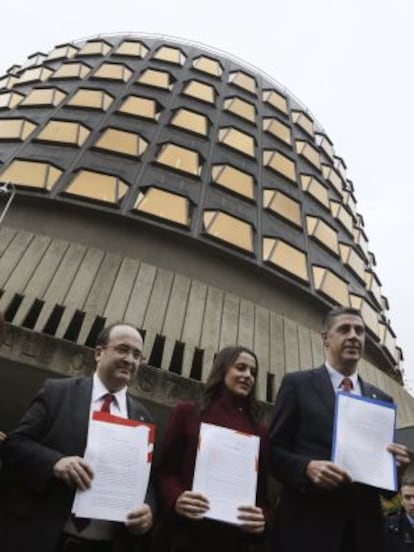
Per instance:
{"type": "Point", "coordinates": [226, 471]}
{"type": "Point", "coordinates": [119, 455]}
{"type": "Point", "coordinates": [363, 430]}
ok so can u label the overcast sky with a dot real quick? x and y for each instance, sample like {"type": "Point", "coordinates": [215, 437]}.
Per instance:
{"type": "Point", "coordinates": [349, 61]}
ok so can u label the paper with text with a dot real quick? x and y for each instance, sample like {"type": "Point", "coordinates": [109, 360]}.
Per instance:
{"type": "Point", "coordinates": [362, 431]}
{"type": "Point", "coordinates": [120, 453]}
{"type": "Point", "coordinates": [226, 471]}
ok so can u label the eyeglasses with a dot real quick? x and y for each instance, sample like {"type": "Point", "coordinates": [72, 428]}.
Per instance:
{"type": "Point", "coordinates": [124, 351]}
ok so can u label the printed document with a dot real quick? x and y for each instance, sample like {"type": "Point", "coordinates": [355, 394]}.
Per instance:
{"type": "Point", "coordinates": [120, 453]}
{"type": "Point", "coordinates": [226, 471]}
{"type": "Point", "coordinates": [362, 431]}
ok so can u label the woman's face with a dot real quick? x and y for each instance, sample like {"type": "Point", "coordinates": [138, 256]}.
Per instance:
{"type": "Point", "coordinates": [240, 376]}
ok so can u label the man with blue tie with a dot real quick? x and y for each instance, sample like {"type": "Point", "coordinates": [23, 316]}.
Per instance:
{"type": "Point", "coordinates": [321, 509]}
{"type": "Point", "coordinates": [45, 456]}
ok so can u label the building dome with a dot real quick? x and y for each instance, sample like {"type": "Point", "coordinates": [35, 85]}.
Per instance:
{"type": "Point", "coordinates": [175, 187]}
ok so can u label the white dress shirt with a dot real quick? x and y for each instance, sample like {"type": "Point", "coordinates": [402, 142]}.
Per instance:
{"type": "Point", "coordinates": [336, 380]}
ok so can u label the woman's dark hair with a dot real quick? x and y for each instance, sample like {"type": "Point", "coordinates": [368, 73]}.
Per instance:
{"type": "Point", "coordinates": [215, 381]}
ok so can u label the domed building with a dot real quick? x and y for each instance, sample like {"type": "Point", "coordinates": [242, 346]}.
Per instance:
{"type": "Point", "coordinates": [178, 188]}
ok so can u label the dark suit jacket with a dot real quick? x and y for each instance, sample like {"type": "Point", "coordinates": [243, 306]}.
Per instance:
{"type": "Point", "coordinates": [399, 533]}
{"type": "Point", "coordinates": [55, 426]}
{"type": "Point", "coordinates": [301, 430]}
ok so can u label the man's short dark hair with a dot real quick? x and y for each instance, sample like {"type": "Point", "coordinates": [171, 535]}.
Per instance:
{"type": "Point", "coordinates": [407, 482]}
{"type": "Point", "coordinates": [103, 336]}
{"type": "Point", "coordinates": [338, 311]}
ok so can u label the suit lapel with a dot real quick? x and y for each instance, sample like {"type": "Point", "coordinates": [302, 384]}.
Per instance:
{"type": "Point", "coordinates": [322, 386]}
{"type": "Point", "coordinates": [368, 390]}
{"type": "Point", "coordinates": [134, 413]}
{"type": "Point", "coordinates": [80, 406]}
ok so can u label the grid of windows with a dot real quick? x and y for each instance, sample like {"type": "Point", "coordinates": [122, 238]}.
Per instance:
{"type": "Point", "coordinates": [270, 148]}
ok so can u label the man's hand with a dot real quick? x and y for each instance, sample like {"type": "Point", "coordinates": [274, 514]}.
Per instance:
{"type": "Point", "coordinates": [74, 471]}
{"type": "Point", "coordinates": [326, 475]}
{"type": "Point", "coordinates": [401, 453]}
{"type": "Point", "coordinates": [191, 505]}
{"type": "Point", "coordinates": [2, 436]}
{"type": "Point", "coordinates": [139, 521]}
{"type": "Point", "coordinates": [252, 519]}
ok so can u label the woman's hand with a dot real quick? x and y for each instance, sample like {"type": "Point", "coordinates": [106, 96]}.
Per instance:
{"type": "Point", "coordinates": [191, 505]}
{"type": "Point", "coordinates": [252, 519]}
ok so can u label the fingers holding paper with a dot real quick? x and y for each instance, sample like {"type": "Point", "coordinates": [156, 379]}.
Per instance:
{"type": "Point", "coordinates": [326, 475]}
{"type": "Point", "coordinates": [139, 521]}
{"type": "Point", "coordinates": [191, 505]}
{"type": "Point", "coordinates": [74, 471]}
{"type": "Point", "coordinates": [252, 519]}
{"type": "Point", "coordinates": [401, 454]}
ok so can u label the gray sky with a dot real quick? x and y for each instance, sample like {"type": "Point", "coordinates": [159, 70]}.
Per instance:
{"type": "Point", "coordinates": [349, 61]}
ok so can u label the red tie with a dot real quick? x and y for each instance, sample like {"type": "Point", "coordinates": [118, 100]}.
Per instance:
{"type": "Point", "coordinates": [347, 385]}
{"type": "Point", "coordinates": [106, 405]}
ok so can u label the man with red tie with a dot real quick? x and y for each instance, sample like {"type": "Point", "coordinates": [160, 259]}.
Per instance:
{"type": "Point", "coordinates": [321, 509]}
{"type": "Point", "coordinates": [45, 456]}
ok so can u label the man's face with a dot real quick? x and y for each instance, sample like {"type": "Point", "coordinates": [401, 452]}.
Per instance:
{"type": "Point", "coordinates": [407, 499]}
{"type": "Point", "coordinates": [117, 362]}
{"type": "Point", "coordinates": [344, 342]}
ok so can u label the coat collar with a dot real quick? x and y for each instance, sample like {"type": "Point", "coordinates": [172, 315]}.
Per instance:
{"type": "Point", "coordinates": [322, 386]}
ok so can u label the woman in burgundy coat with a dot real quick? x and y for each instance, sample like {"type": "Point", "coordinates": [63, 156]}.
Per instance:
{"type": "Point", "coordinates": [228, 401]}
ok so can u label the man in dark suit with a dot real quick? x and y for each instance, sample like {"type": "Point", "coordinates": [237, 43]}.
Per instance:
{"type": "Point", "coordinates": [400, 524]}
{"type": "Point", "coordinates": [321, 509]}
{"type": "Point", "coordinates": [45, 455]}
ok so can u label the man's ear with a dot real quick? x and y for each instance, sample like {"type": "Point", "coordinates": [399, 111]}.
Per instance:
{"type": "Point", "coordinates": [324, 335]}
{"type": "Point", "coordinates": [97, 352]}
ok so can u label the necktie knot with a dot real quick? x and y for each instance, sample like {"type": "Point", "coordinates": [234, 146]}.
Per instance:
{"type": "Point", "coordinates": [108, 398]}
{"type": "Point", "coordinates": [347, 385]}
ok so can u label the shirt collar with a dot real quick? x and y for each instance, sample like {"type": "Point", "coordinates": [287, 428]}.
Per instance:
{"type": "Point", "coordinates": [99, 390]}
{"type": "Point", "coordinates": [336, 377]}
